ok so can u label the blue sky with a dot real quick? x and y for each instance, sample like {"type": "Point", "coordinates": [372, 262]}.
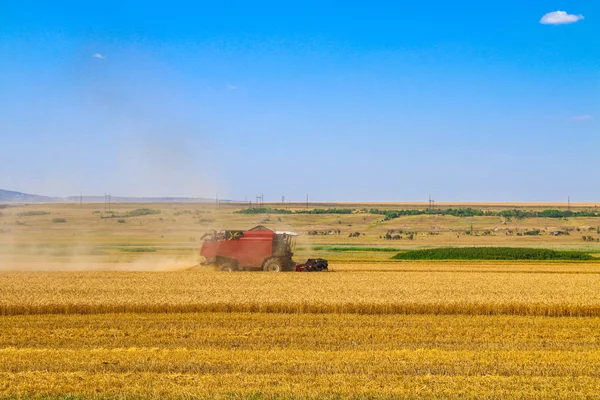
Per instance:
{"type": "Point", "coordinates": [349, 101]}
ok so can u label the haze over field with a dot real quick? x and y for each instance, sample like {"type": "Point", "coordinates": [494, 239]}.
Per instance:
{"type": "Point", "coordinates": [361, 102]}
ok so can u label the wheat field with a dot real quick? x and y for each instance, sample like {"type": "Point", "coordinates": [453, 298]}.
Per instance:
{"type": "Point", "coordinates": [456, 330]}
{"type": "Point", "coordinates": [570, 292]}
{"type": "Point", "coordinates": [94, 308]}
{"type": "Point", "coordinates": [250, 355]}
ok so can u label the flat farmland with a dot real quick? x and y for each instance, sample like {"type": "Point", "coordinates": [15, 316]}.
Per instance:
{"type": "Point", "coordinates": [250, 355]}
{"type": "Point", "coordinates": [553, 289]}
{"type": "Point", "coordinates": [96, 308]}
{"type": "Point", "coordinates": [74, 237]}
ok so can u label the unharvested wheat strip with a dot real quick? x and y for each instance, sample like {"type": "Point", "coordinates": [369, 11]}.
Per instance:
{"type": "Point", "coordinates": [345, 293]}
{"type": "Point", "coordinates": [450, 308]}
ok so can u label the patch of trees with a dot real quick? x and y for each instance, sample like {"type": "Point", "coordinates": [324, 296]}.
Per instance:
{"type": "Point", "coordinates": [325, 211]}
{"type": "Point", "coordinates": [138, 212]}
{"type": "Point", "coordinates": [589, 239]}
{"type": "Point", "coordinates": [533, 232]}
{"type": "Point", "coordinates": [270, 210]}
{"type": "Point", "coordinates": [472, 212]}
{"type": "Point", "coordinates": [396, 234]}
{"type": "Point", "coordinates": [330, 232]}
{"type": "Point", "coordinates": [263, 210]}
{"type": "Point", "coordinates": [32, 213]}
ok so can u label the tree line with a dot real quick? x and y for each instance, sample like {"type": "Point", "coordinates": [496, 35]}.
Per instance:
{"type": "Point", "coordinates": [472, 212]}
{"type": "Point", "coordinates": [454, 212]}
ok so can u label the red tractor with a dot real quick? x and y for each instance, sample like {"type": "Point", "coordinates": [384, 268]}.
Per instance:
{"type": "Point", "coordinates": [256, 249]}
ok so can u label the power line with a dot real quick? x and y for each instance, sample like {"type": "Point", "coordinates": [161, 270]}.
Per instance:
{"type": "Point", "coordinates": [107, 202]}
{"type": "Point", "coordinates": [260, 200]}
{"type": "Point", "coordinates": [431, 203]}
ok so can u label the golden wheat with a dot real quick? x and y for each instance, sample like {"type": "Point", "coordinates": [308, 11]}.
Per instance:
{"type": "Point", "coordinates": [324, 332]}
{"type": "Point", "coordinates": [552, 294]}
{"type": "Point", "coordinates": [319, 356]}
{"type": "Point", "coordinates": [367, 330]}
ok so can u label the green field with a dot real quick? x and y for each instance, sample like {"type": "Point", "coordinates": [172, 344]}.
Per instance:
{"type": "Point", "coordinates": [493, 253]}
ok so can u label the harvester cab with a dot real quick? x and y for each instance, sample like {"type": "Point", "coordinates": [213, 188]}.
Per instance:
{"type": "Point", "coordinates": [259, 248]}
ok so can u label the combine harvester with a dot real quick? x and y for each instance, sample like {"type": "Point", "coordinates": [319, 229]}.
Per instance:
{"type": "Point", "coordinates": [257, 249]}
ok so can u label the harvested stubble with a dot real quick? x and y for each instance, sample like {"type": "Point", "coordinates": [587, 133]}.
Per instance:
{"type": "Point", "coordinates": [289, 356]}
{"type": "Point", "coordinates": [550, 294]}
{"type": "Point", "coordinates": [296, 386]}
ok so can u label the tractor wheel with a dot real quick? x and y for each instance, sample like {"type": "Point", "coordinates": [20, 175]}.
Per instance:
{"type": "Point", "coordinates": [228, 266]}
{"type": "Point", "coordinates": [291, 265]}
{"type": "Point", "coordinates": [273, 265]}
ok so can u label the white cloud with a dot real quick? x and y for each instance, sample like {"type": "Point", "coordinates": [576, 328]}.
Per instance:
{"type": "Point", "coordinates": [585, 117]}
{"type": "Point", "coordinates": [560, 18]}
{"type": "Point", "coordinates": [231, 87]}
{"type": "Point", "coordinates": [98, 55]}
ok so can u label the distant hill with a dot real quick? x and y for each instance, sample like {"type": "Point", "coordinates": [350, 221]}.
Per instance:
{"type": "Point", "coordinates": [9, 196]}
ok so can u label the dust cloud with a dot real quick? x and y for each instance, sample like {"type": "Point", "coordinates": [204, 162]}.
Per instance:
{"type": "Point", "coordinates": [143, 138]}
{"type": "Point", "coordinates": [36, 244]}
{"type": "Point", "coordinates": [83, 258]}
{"type": "Point", "coordinates": [89, 241]}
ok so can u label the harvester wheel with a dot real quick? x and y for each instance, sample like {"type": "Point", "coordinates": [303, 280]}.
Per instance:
{"type": "Point", "coordinates": [228, 266]}
{"type": "Point", "coordinates": [273, 265]}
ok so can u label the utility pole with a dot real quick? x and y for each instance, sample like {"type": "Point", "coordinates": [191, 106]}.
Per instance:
{"type": "Point", "coordinates": [282, 199]}
{"type": "Point", "coordinates": [306, 200]}
{"type": "Point", "coordinates": [431, 203]}
{"type": "Point", "coordinates": [569, 202]}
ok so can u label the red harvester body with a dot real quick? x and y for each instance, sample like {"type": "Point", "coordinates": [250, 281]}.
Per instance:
{"type": "Point", "coordinates": [256, 249]}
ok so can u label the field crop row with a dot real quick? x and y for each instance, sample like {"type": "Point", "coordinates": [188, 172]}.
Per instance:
{"type": "Point", "coordinates": [441, 292]}
{"type": "Point", "coordinates": [299, 385]}
{"type": "Point", "coordinates": [234, 361]}
{"type": "Point", "coordinates": [316, 332]}
{"type": "Point", "coordinates": [290, 356]}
